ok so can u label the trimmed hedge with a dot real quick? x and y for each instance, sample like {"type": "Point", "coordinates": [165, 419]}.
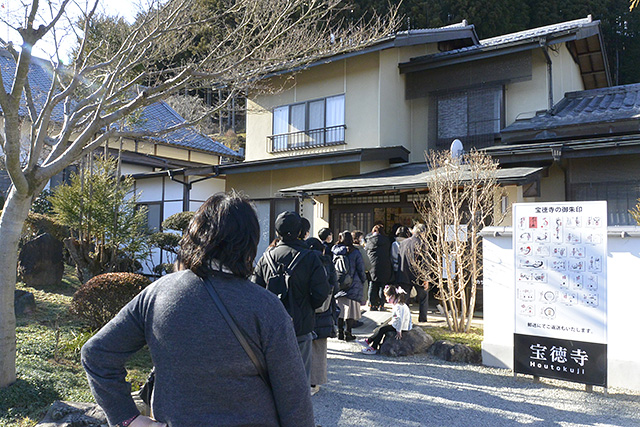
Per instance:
{"type": "Point", "coordinates": [37, 224]}
{"type": "Point", "coordinates": [102, 297]}
{"type": "Point", "coordinates": [178, 221]}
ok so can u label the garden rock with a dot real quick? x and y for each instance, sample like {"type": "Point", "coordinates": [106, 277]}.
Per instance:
{"type": "Point", "coordinates": [40, 261]}
{"type": "Point", "coordinates": [73, 414]}
{"type": "Point", "coordinates": [413, 342]}
{"type": "Point", "coordinates": [446, 350]}
{"type": "Point", "coordinates": [23, 302]}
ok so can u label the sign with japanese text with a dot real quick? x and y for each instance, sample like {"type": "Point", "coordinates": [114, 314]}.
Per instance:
{"type": "Point", "coordinates": [575, 361]}
{"type": "Point", "coordinates": [560, 288]}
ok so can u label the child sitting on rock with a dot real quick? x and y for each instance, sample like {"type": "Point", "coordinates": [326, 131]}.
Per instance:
{"type": "Point", "coordinates": [400, 319]}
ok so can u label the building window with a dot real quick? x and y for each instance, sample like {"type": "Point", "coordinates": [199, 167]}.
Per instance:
{"type": "Point", "coordinates": [474, 116]}
{"type": "Point", "coordinates": [620, 196]}
{"type": "Point", "coordinates": [154, 216]}
{"type": "Point", "coordinates": [393, 198]}
{"type": "Point", "coordinates": [308, 124]}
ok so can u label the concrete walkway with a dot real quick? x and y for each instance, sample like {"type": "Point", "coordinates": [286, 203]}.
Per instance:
{"type": "Point", "coordinates": [373, 390]}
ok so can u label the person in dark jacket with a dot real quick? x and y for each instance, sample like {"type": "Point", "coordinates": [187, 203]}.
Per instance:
{"type": "Point", "coordinates": [349, 299]}
{"type": "Point", "coordinates": [358, 243]}
{"type": "Point", "coordinates": [325, 321]}
{"type": "Point", "coordinates": [378, 248]}
{"type": "Point", "coordinates": [308, 283]}
{"type": "Point", "coordinates": [408, 252]}
{"type": "Point", "coordinates": [326, 237]}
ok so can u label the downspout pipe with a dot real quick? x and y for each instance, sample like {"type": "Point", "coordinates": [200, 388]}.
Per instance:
{"type": "Point", "coordinates": [188, 185]}
{"type": "Point", "coordinates": [545, 49]}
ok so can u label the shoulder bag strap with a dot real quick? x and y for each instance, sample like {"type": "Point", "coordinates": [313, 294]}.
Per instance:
{"type": "Point", "coordinates": [296, 259]}
{"type": "Point", "coordinates": [294, 263]}
{"type": "Point", "coordinates": [262, 370]}
{"type": "Point", "coordinates": [270, 262]}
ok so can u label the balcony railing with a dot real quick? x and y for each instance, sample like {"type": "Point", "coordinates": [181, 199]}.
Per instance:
{"type": "Point", "coordinates": [313, 138]}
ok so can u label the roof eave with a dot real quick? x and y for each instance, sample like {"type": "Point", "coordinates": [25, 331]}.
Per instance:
{"type": "Point", "coordinates": [305, 191]}
{"type": "Point", "coordinates": [395, 154]}
{"type": "Point", "coordinates": [428, 62]}
{"type": "Point", "coordinates": [393, 41]}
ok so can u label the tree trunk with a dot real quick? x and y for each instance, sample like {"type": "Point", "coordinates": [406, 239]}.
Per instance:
{"type": "Point", "coordinates": [14, 213]}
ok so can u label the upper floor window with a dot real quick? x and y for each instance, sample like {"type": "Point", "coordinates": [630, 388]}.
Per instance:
{"type": "Point", "coordinates": [621, 197]}
{"type": "Point", "coordinates": [474, 116]}
{"type": "Point", "coordinates": [308, 124]}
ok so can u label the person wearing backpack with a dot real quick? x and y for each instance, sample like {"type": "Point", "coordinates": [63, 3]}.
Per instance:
{"type": "Point", "coordinates": [295, 273]}
{"type": "Point", "coordinates": [351, 276]}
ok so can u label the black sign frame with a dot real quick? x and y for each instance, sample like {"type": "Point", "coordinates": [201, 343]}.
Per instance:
{"type": "Point", "coordinates": [568, 360]}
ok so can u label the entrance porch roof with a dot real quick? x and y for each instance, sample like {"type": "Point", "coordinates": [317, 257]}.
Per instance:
{"type": "Point", "coordinates": [410, 177]}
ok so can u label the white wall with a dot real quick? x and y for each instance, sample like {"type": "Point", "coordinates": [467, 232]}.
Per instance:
{"type": "Point", "coordinates": [623, 270]}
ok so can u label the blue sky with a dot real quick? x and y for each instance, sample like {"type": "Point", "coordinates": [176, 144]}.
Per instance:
{"type": "Point", "coordinates": [11, 11]}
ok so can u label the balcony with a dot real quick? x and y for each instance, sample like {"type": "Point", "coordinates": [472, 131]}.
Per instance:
{"type": "Point", "coordinates": [323, 137]}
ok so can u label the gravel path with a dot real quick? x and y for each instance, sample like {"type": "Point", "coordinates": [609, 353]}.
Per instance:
{"type": "Point", "coordinates": [365, 390]}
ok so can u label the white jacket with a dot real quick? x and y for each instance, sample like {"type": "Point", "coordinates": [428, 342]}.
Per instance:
{"type": "Point", "coordinates": [401, 317]}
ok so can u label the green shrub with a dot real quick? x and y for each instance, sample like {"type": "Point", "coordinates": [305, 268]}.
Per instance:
{"type": "Point", "coordinates": [37, 223]}
{"type": "Point", "coordinates": [179, 221]}
{"type": "Point", "coordinates": [102, 297]}
{"type": "Point", "coordinates": [42, 204]}
{"type": "Point", "coordinates": [164, 268]}
{"type": "Point", "coordinates": [165, 241]}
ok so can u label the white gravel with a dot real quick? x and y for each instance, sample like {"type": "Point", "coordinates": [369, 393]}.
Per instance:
{"type": "Point", "coordinates": [366, 390]}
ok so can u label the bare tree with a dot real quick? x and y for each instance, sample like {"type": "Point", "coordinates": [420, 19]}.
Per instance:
{"type": "Point", "coordinates": [462, 196]}
{"type": "Point", "coordinates": [88, 101]}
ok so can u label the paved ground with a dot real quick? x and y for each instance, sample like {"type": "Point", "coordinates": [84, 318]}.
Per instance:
{"type": "Point", "coordinates": [366, 390]}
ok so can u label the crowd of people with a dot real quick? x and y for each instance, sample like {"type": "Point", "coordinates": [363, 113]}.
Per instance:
{"type": "Point", "coordinates": [252, 354]}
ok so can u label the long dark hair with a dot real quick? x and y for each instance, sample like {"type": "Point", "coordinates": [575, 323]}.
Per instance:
{"type": "Point", "coordinates": [224, 228]}
{"type": "Point", "coordinates": [346, 239]}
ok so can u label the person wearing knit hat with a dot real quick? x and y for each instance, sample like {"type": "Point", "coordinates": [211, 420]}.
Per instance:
{"type": "Point", "coordinates": [288, 225]}
{"type": "Point", "coordinates": [307, 284]}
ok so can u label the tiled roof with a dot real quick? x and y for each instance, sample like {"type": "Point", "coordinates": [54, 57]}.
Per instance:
{"type": "Point", "coordinates": [160, 115]}
{"type": "Point", "coordinates": [154, 118]}
{"type": "Point", "coordinates": [39, 81]}
{"type": "Point", "coordinates": [536, 32]}
{"type": "Point", "coordinates": [458, 31]}
{"type": "Point", "coordinates": [512, 38]}
{"type": "Point", "coordinates": [606, 105]}
{"type": "Point", "coordinates": [410, 176]}
{"type": "Point", "coordinates": [417, 31]}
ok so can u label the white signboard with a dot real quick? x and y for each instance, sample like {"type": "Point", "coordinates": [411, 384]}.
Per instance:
{"type": "Point", "coordinates": [561, 270]}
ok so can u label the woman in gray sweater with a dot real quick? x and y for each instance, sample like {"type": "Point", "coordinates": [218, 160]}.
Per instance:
{"type": "Point", "coordinates": [203, 375]}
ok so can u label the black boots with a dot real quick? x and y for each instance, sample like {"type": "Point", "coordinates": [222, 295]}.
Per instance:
{"type": "Point", "coordinates": [343, 334]}
{"type": "Point", "coordinates": [347, 334]}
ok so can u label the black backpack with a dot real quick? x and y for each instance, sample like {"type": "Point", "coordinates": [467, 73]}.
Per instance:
{"type": "Point", "coordinates": [278, 281]}
{"type": "Point", "coordinates": [343, 271]}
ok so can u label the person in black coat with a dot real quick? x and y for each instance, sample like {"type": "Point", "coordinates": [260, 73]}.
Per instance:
{"type": "Point", "coordinates": [378, 248]}
{"type": "Point", "coordinates": [409, 251]}
{"type": "Point", "coordinates": [308, 283]}
{"type": "Point", "coordinates": [326, 237]}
